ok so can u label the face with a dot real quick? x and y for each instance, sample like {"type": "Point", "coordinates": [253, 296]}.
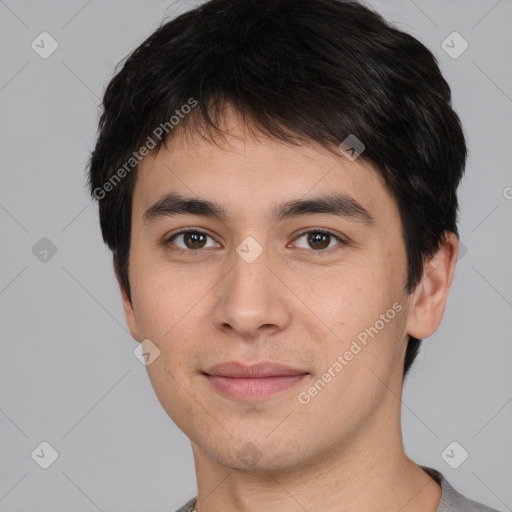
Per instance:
{"type": "Point", "coordinates": [267, 275]}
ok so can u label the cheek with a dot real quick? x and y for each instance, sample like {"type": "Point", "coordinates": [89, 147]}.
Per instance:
{"type": "Point", "coordinates": [367, 314]}
{"type": "Point", "coordinates": [169, 308]}
{"type": "Point", "coordinates": [360, 367]}
{"type": "Point", "coordinates": [161, 299]}
{"type": "Point", "coordinates": [166, 313]}
{"type": "Point", "coordinates": [350, 301]}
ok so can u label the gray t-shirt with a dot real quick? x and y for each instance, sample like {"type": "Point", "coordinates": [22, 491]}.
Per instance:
{"type": "Point", "coordinates": [451, 500]}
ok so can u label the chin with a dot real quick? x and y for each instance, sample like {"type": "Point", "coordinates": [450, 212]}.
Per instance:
{"type": "Point", "coordinates": [259, 455]}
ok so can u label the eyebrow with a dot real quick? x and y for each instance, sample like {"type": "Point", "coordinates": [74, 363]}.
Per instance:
{"type": "Point", "coordinates": [340, 205]}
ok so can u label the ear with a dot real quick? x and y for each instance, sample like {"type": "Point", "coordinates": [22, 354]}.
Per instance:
{"type": "Point", "coordinates": [129, 313]}
{"type": "Point", "coordinates": [429, 299]}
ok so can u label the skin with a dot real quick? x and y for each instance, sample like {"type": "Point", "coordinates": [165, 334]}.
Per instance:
{"type": "Point", "coordinates": [343, 450]}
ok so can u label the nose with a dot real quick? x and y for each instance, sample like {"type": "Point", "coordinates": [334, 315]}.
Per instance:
{"type": "Point", "coordinates": [252, 300]}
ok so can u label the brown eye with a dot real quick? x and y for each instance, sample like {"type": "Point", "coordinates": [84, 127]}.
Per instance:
{"type": "Point", "coordinates": [194, 240]}
{"type": "Point", "coordinates": [190, 240]}
{"type": "Point", "coordinates": [318, 240]}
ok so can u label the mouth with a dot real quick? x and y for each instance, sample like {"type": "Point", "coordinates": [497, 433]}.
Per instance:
{"type": "Point", "coordinates": [252, 382]}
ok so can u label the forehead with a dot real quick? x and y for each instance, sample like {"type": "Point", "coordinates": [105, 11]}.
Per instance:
{"type": "Point", "coordinates": [251, 171]}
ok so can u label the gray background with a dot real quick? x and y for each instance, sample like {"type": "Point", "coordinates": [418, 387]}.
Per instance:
{"type": "Point", "coordinates": [68, 375]}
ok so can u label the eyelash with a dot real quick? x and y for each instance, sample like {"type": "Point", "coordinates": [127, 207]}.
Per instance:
{"type": "Point", "coordinates": [196, 252]}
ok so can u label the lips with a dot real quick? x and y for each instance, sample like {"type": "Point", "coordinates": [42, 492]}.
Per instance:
{"type": "Point", "coordinates": [236, 370]}
{"type": "Point", "coordinates": [253, 382]}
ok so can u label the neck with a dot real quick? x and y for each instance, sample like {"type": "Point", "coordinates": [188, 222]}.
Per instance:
{"type": "Point", "coordinates": [367, 472]}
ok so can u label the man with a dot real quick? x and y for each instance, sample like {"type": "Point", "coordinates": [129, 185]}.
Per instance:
{"type": "Point", "coordinates": [277, 182]}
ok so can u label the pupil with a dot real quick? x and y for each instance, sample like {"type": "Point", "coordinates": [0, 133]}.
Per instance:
{"type": "Point", "coordinates": [194, 240]}
{"type": "Point", "coordinates": [317, 238]}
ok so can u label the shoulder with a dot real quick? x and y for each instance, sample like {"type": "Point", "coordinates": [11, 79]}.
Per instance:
{"type": "Point", "coordinates": [188, 507]}
{"type": "Point", "coordinates": [452, 500]}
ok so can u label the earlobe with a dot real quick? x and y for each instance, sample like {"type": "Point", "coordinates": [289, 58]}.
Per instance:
{"type": "Point", "coordinates": [129, 312]}
{"type": "Point", "coordinates": [428, 301]}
